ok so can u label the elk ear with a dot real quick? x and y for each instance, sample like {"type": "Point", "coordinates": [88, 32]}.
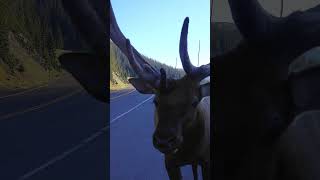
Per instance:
{"type": "Point", "coordinates": [89, 71]}
{"type": "Point", "coordinates": [141, 85]}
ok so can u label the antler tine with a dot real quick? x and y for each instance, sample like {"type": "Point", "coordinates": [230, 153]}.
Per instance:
{"type": "Point", "coordinates": [138, 63]}
{"type": "Point", "coordinates": [197, 72]}
{"type": "Point", "coordinates": [257, 25]}
{"type": "Point", "coordinates": [202, 71]}
{"type": "Point", "coordinates": [152, 79]}
{"type": "Point", "coordinates": [163, 79]}
{"type": "Point", "coordinates": [115, 33]}
{"type": "Point", "coordinates": [89, 23]}
{"type": "Point", "coordinates": [254, 22]}
{"type": "Point", "coordinates": [183, 48]}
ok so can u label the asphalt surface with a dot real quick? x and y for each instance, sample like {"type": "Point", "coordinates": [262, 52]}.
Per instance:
{"type": "Point", "coordinates": [132, 155]}
{"type": "Point", "coordinates": [53, 132]}
{"type": "Point", "coordinates": [60, 132]}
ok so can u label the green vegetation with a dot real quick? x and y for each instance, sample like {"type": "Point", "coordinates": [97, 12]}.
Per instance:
{"type": "Point", "coordinates": [121, 69]}
{"type": "Point", "coordinates": [30, 34]}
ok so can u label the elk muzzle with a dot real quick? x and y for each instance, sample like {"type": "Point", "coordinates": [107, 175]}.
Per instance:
{"type": "Point", "coordinates": [167, 144]}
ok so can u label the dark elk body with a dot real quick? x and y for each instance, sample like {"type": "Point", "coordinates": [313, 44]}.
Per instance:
{"type": "Point", "coordinates": [182, 116]}
{"type": "Point", "coordinates": [255, 98]}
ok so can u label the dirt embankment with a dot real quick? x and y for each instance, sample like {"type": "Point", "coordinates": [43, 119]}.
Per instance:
{"type": "Point", "coordinates": [117, 84]}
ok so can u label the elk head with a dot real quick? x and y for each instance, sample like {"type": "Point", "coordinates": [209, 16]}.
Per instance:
{"type": "Point", "coordinates": [175, 100]}
{"type": "Point", "coordinates": [253, 102]}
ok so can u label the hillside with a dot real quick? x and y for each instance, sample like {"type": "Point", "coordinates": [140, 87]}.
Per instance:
{"type": "Point", "coordinates": [121, 69]}
{"type": "Point", "coordinates": [22, 71]}
{"type": "Point", "coordinates": [30, 34]}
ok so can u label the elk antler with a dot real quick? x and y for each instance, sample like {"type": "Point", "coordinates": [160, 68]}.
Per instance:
{"type": "Point", "coordinates": [163, 79]}
{"type": "Point", "coordinates": [144, 71]}
{"type": "Point", "coordinates": [90, 69]}
{"type": "Point", "coordinates": [196, 72]}
{"type": "Point", "coordinates": [290, 36]}
{"type": "Point", "coordinates": [94, 30]}
{"type": "Point", "coordinates": [252, 20]}
{"type": "Point", "coordinates": [138, 63]}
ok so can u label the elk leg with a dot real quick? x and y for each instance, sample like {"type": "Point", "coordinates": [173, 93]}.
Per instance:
{"type": "Point", "coordinates": [205, 168]}
{"type": "Point", "coordinates": [195, 171]}
{"type": "Point", "coordinates": [173, 170]}
{"type": "Point", "coordinates": [174, 173]}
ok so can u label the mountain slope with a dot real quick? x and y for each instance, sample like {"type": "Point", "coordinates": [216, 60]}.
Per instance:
{"type": "Point", "coordinates": [121, 69]}
{"type": "Point", "coordinates": [30, 34]}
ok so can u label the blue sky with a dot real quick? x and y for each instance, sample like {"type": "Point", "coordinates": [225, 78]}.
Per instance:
{"type": "Point", "coordinates": [154, 27]}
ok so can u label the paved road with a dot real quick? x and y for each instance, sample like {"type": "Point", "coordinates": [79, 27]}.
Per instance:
{"type": "Point", "coordinates": [60, 132]}
{"type": "Point", "coordinates": [52, 133]}
{"type": "Point", "coordinates": [132, 156]}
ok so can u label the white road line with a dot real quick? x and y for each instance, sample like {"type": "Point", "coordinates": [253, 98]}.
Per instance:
{"type": "Point", "coordinates": [135, 107]}
{"type": "Point", "coordinates": [23, 92]}
{"type": "Point", "coordinates": [80, 145]}
{"type": "Point", "coordinates": [33, 108]}
{"type": "Point", "coordinates": [122, 95]}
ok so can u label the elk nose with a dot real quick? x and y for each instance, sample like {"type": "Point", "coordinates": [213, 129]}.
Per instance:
{"type": "Point", "coordinates": [166, 144]}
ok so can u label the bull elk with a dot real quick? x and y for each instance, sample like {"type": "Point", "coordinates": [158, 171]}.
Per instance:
{"type": "Point", "coordinates": [182, 114]}
{"type": "Point", "coordinates": [182, 117]}
{"type": "Point", "coordinates": [256, 99]}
